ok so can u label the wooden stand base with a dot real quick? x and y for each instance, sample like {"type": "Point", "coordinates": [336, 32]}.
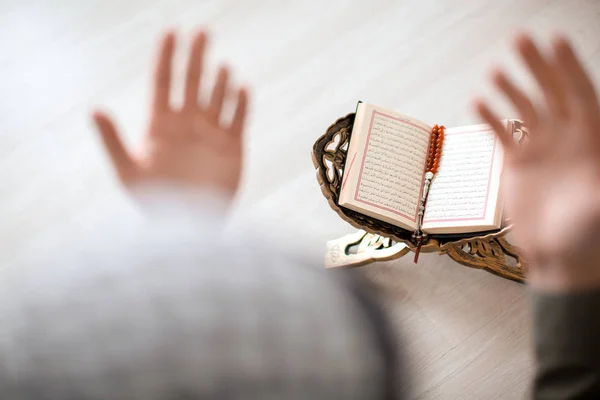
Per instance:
{"type": "Point", "coordinates": [492, 254]}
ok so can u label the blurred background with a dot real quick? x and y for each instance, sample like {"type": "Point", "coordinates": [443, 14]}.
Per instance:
{"type": "Point", "coordinates": [307, 63]}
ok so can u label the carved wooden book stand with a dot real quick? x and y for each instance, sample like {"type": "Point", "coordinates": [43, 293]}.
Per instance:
{"type": "Point", "coordinates": [378, 240]}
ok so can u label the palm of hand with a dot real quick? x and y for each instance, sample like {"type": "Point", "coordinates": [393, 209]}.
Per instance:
{"type": "Point", "coordinates": [191, 150]}
{"type": "Point", "coordinates": [550, 182]}
{"type": "Point", "coordinates": [190, 147]}
{"type": "Point", "coordinates": [551, 193]}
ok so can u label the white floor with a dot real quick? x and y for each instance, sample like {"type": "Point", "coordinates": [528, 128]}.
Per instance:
{"type": "Point", "coordinates": [308, 62]}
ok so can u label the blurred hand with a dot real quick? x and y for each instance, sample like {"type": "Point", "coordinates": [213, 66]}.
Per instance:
{"type": "Point", "coordinates": [192, 146]}
{"type": "Point", "coordinates": [551, 182]}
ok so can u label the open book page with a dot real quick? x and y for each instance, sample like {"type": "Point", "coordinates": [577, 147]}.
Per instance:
{"type": "Point", "coordinates": [384, 169]}
{"type": "Point", "coordinates": [464, 194]}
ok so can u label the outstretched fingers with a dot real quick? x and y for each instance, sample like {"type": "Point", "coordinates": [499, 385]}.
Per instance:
{"type": "Point", "coordinates": [241, 110]}
{"type": "Point", "coordinates": [544, 73]}
{"type": "Point", "coordinates": [194, 70]}
{"type": "Point", "coordinates": [519, 100]}
{"type": "Point", "coordinates": [121, 160]}
{"type": "Point", "coordinates": [578, 83]}
{"type": "Point", "coordinates": [500, 129]}
{"type": "Point", "coordinates": [163, 72]}
{"type": "Point", "coordinates": [217, 99]}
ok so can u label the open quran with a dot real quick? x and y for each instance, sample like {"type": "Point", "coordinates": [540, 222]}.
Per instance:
{"type": "Point", "coordinates": [385, 174]}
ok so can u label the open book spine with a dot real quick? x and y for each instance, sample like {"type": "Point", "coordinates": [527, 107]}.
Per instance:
{"type": "Point", "coordinates": [431, 167]}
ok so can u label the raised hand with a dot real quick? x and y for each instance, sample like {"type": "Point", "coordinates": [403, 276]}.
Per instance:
{"type": "Point", "coordinates": [551, 182]}
{"type": "Point", "coordinates": [193, 146]}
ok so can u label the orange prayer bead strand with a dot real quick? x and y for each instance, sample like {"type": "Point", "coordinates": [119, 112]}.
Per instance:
{"type": "Point", "coordinates": [435, 149]}
{"type": "Point", "coordinates": [432, 147]}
